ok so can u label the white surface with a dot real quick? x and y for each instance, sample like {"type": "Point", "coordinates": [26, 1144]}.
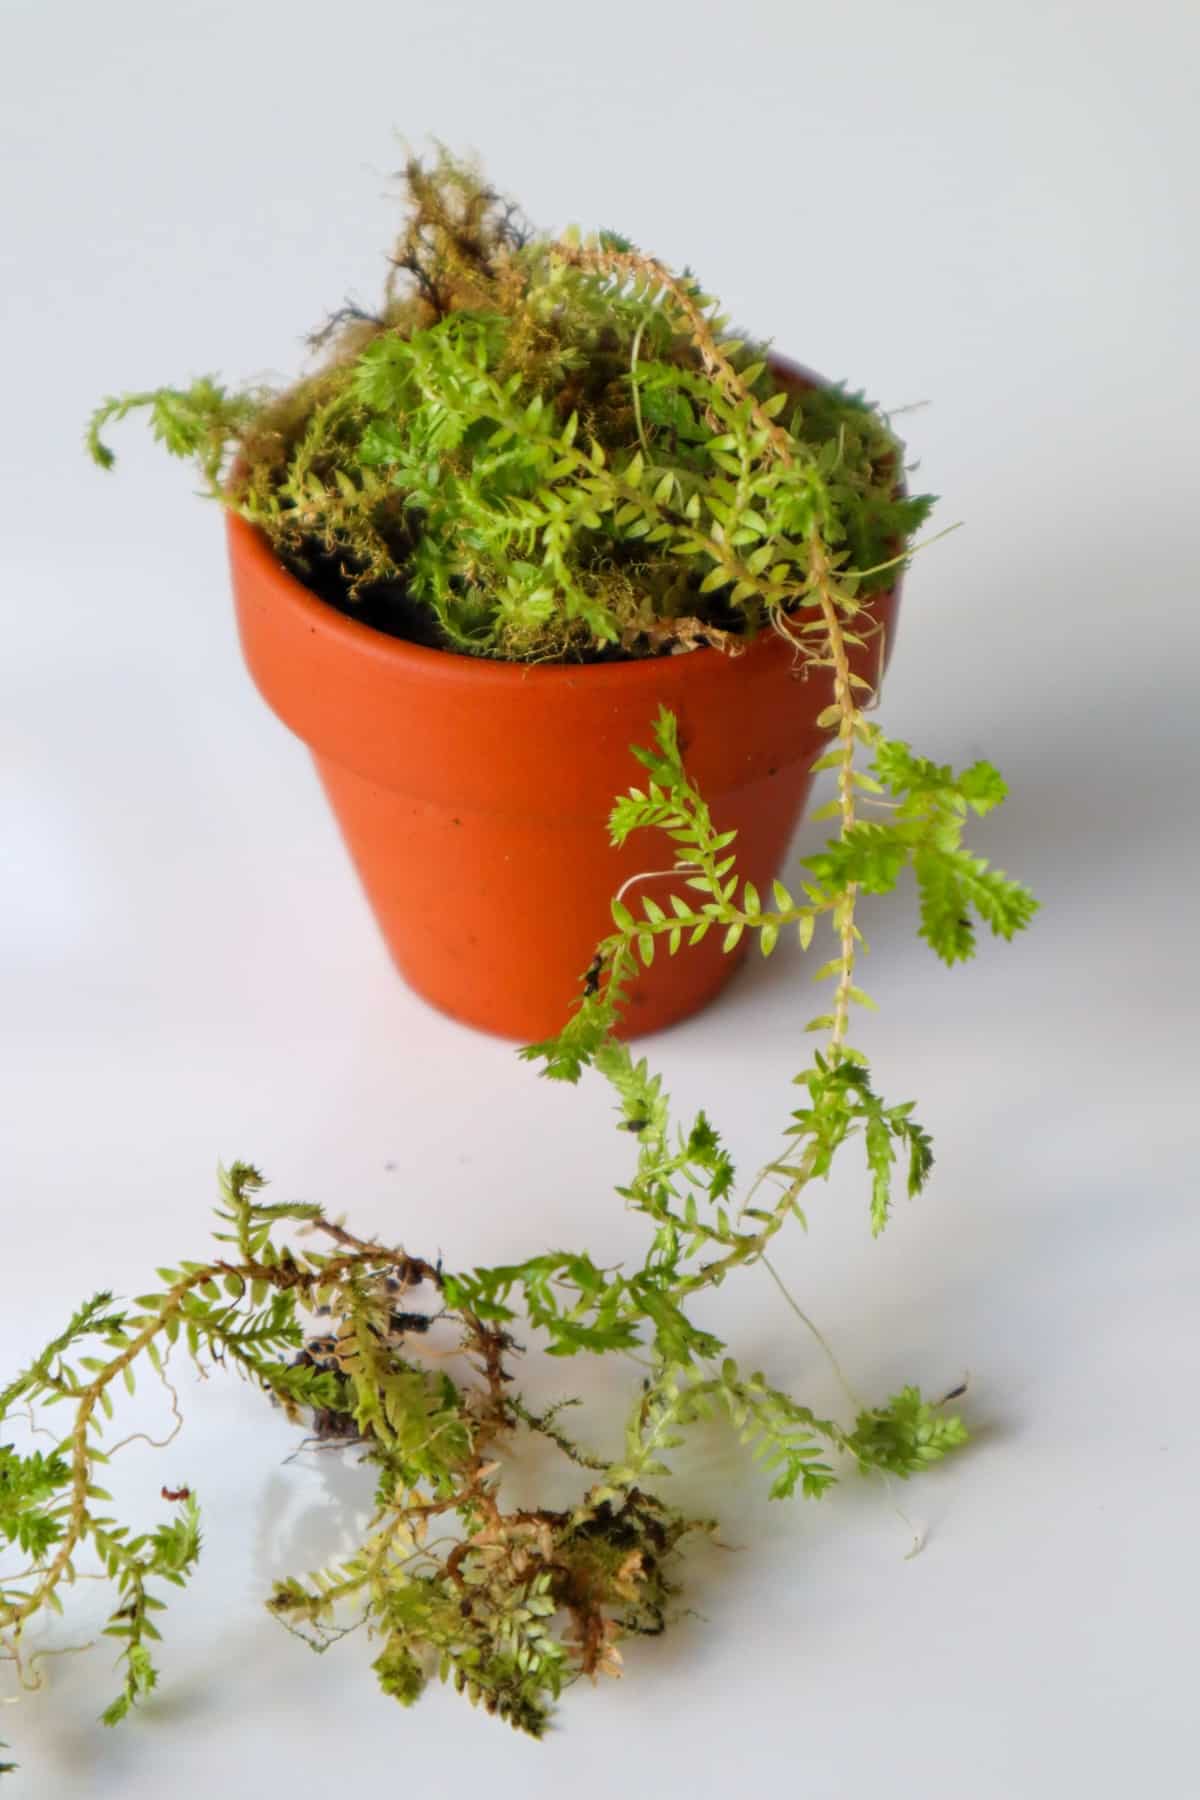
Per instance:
{"type": "Point", "coordinates": [984, 206]}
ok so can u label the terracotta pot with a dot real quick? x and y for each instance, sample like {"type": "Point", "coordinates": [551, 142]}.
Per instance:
{"type": "Point", "coordinates": [473, 795]}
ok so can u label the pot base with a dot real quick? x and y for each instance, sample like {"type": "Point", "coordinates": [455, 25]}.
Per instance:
{"type": "Point", "coordinates": [494, 920]}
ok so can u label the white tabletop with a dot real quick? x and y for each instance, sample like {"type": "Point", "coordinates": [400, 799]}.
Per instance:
{"type": "Point", "coordinates": [981, 207]}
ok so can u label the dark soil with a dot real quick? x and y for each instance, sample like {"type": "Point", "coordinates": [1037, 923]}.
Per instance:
{"type": "Point", "coordinates": [387, 606]}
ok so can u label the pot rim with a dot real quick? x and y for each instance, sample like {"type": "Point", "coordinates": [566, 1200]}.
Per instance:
{"type": "Point", "coordinates": [447, 665]}
{"type": "Point", "coordinates": [454, 665]}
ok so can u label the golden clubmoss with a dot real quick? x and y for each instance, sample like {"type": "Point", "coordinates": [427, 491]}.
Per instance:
{"type": "Point", "coordinates": [554, 447]}
{"type": "Point", "coordinates": [417, 1367]}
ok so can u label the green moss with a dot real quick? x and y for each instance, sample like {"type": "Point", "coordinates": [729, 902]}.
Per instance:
{"type": "Point", "coordinates": [457, 1575]}
{"type": "Point", "coordinates": [554, 447]}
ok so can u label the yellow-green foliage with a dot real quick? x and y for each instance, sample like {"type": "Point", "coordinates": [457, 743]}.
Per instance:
{"type": "Point", "coordinates": [554, 446]}
{"type": "Point", "coordinates": [417, 1367]}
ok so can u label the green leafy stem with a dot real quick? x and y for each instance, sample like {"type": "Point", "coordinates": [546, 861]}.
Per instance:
{"type": "Point", "coordinates": [524, 1600]}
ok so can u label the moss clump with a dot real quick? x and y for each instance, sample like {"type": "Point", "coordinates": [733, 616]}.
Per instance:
{"type": "Point", "coordinates": [544, 448]}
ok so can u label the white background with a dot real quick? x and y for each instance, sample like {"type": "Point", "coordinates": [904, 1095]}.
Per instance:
{"type": "Point", "coordinates": [988, 207]}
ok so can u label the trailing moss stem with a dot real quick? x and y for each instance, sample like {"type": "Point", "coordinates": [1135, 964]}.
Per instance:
{"type": "Point", "coordinates": [848, 723]}
{"type": "Point", "coordinates": [636, 265]}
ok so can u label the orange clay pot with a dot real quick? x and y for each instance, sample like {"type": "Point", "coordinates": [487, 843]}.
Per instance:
{"type": "Point", "coordinates": [473, 795]}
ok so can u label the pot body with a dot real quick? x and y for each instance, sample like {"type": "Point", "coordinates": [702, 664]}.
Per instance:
{"type": "Point", "coordinates": [473, 795]}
